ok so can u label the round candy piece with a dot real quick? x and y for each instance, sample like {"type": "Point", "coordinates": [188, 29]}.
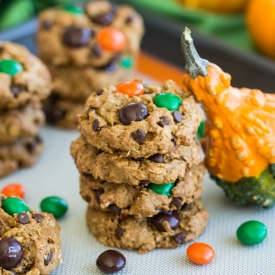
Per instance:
{"type": "Point", "coordinates": [201, 129]}
{"type": "Point", "coordinates": [127, 62]}
{"type": "Point", "coordinates": [162, 189]}
{"type": "Point", "coordinates": [171, 217]}
{"type": "Point", "coordinates": [73, 9]}
{"type": "Point", "coordinates": [130, 88]}
{"type": "Point", "coordinates": [110, 261]}
{"type": "Point", "coordinates": [111, 39]}
{"type": "Point", "coordinates": [54, 205]}
{"type": "Point", "coordinates": [168, 101]}
{"type": "Point", "coordinates": [13, 205]}
{"type": "Point", "coordinates": [251, 232]}
{"type": "Point", "coordinates": [132, 112]}
{"type": "Point", "coordinates": [200, 253]}
{"type": "Point", "coordinates": [11, 253]}
{"type": "Point", "coordinates": [10, 67]}
{"type": "Point", "coordinates": [14, 189]}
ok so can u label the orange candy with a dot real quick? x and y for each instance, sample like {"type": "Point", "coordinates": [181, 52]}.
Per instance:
{"type": "Point", "coordinates": [200, 253]}
{"type": "Point", "coordinates": [14, 189]}
{"type": "Point", "coordinates": [111, 39]}
{"type": "Point", "coordinates": [130, 88]}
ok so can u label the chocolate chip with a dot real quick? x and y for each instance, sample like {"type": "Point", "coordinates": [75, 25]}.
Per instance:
{"type": "Point", "coordinates": [174, 140]}
{"type": "Point", "coordinates": [38, 139]}
{"type": "Point", "coordinates": [53, 114]}
{"type": "Point", "coordinates": [104, 19]}
{"type": "Point", "coordinates": [97, 51]}
{"type": "Point", "coordinates": [108, 67]}
{"type": "Point", "coordinates": [31, 147]}
{"type": "Point", "coordinates": [157, 158]}
{"type": "Point", "coordinates": [48, 258]}
{"type": "Point", "coordinates": [163, 121]}
{"type": "Point", "coordinates": [87, 198]}
{"type": "Point", "coordinates": [46, 25]}
{"type": "Point", "coordinates": [185, 207]}
{"type": "Point", "coordinates": [11, 253]}
{"type": "Point", "coordinates": [38, 217]}
{"type": "Point", "coordinates": [119, 232]}
{"type": "Point", "coordinates": [177, 116]}
{"type": "Point", "coordinates": [129, 19]}
{"type": "Point", "coordinates": [99, 92]}
{"type": "Point", "coordinates": [110, 261]}
{"type": "Point", "coordinates": [137, 159]}
{"type": "Point", "coordinates": [171, 217]}
{"type": "Point", "coordinates": [144, 182]}
{"type": "Point", "coordinates": [139, 136]}
{"type": "Point", "coordinates": [85, 174]}
{"type": "Point", "coordinates": [114, 209]}
{"type": "Point", "coordinates": [177, 202]}
{"type": "Point", "coordinates": [23, 218]}
{"type": "Point", "coordinates": [98, 193]}
{"type": "Point", "coordinates": [17, 89]}
{"type": "Point", "coordinates": [1, 49]}
{"type": "Point", "coordinates": [95, 125]}
{"type": "Point", "coordinates": [132, 112]}
{"type": "Point", "coordinates": [180, 238]}
{"type": "Point", "coordinates": [76, 37]}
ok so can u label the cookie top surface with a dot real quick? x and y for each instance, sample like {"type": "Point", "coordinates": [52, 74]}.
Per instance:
{"type": "Point", "coordinates": [92, 35]}
{"type": "Point", "coordinates": [22, 76]}
{"type": "Point", "coordinates": [113, 121]}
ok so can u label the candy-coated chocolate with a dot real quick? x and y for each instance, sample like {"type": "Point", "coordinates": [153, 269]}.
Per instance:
{"type": "Point", "coordinates": [168, 101]}
{"type": "Point", "coordinates": [14, 189]}
{"type": "Point", "coordinates": [134, 111]}
{"type": "Point", "coordinates": [110, 261]}
{"type": "Point", "coordinates": [111, 39]}
{"type": "Point", "coordinates": [11, 253]}
{"type": "Point", "coordinates": [200, 253]}
{"type": "Point", "coordinates": [76, 37]}
{"type": "Point", "coordinates": [73, 9]}
{"type": "Point", "coordinates": [201, 129]}
{"type": "Point", "coordinates": [54, 205]}
{"type": "Point", "coordinates": [127, 62]}
{"type": "Point", "coordinates": [162, 189]}
{"type": "Point", "coordinates": [251, 232]}
{"type": "Point", "coordinates": [10, 67]}
{"type": "Point", "coordinates": [171, 217]}
{"type": "Point", "coordinates": [130, 88]}
{"type": "Point", "coordinates": [13, 205]}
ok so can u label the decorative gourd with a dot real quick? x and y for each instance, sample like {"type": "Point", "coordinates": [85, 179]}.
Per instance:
{"type": "Point", "coordinates": [218, 6]}
{"type": "Point", "coordinates": [260, 20]}
{"type": "Point", "coordinates": [239, 141]}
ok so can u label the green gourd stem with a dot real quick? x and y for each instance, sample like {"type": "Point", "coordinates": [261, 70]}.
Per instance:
{"type": "Point", "coordinates": [195, 65]}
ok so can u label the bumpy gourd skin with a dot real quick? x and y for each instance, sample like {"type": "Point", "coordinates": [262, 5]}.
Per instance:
{"type": "Point", "coordinates": [239, 143]}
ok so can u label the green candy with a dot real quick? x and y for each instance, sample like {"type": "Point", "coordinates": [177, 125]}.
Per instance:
{"type": "Point", "coordinates": [13, 205]}
{"type": "Point", "coordinates": [251, 232]}
{"type": "Point", "coordinates": [127, 62]}
{"type": "Point", "coordinates": [54, 205]}
{"type": "Point", "coordinates": [168, 101]}
{"type": "Point", "coordinates": [162, 189]}
{"type": "Point", "coordinates": [73, 9]}
{"type": "Point", "coordinates": [201, 129]}
{"type": "Point", "coordinates": [10, 67]}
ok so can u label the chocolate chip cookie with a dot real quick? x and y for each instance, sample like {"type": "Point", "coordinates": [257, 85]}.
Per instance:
{"type": "Point", "coordinates": [19, 123]}
{"type": "Point", "coordinates": [93, 35]}
{"type": "Point", "coordinates": [22, 76]}
{"type": "Point", "coordinates": [118, 168]}
{"type": "Point", "coordinates": [23, 153]}
{"type": "Point", "coordinates": [141, 200]}
{"type": "Point", "coordinates": [149, 120]}
{"type": "Point", "coordinates": [164, 230]}
{"type": "Point", "coordinates": [29, 241]}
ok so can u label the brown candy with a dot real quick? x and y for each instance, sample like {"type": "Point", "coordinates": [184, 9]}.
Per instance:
{"type": "Point", "coordinates": [132, 112]}
{"type": "Point", "coordinates": [75, 37]}
{"type": "Point", "coordinates": [170, 217]}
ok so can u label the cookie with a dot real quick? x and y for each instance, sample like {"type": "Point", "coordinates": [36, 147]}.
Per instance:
{"type": "Point", "coordinates": [63, 113]}
{"type": "Point", "coordinates": [19, 123]}
{"type": "Point", "coordinates": [29, 243]}
{"type": "Point", "coordinates": [118, 168]}
{"type": "Point", "coordinates": [93, 35]}
{"type": "Point", "coordinates": [140, 200]}
{"type": "Point", "coordinates": [113, 121]}
{"type": "Point", "coordinates": [23, 153]}
{"type": "Point", "coordinates": [164, 230]}
{"type": "Point", "coordinates": [22, 76]}
{"type": "Point", "coordinates": [77, 83]}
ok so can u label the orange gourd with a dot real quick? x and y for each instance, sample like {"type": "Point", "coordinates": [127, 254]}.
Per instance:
{"type": "Point", "coordinates": [260, 20]}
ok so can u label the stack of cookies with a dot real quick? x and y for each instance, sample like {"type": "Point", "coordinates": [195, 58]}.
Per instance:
{"type": "Point", "coordinates": [24, 83]}
{"type": "Point", "coordinates": [86, 48]}
{"type": "Point", "coordinates": [141, 169]}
